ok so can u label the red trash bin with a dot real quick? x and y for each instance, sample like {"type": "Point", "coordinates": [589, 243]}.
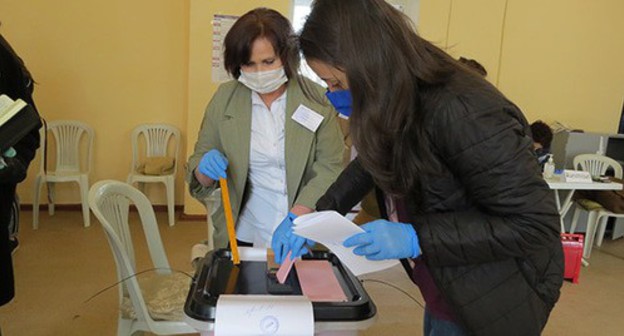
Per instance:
{"type": "Point", "coordinates": [573, 252]}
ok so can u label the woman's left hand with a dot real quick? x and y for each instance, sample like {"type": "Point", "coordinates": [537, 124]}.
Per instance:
{"type": "Point", "coordinates": [383, 239]}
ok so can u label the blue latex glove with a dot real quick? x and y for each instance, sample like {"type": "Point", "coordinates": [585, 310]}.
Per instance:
{"type": "Point", "coordinates": [9, 153]}
{"type": "Point", "coordinates": [383, 239]}
{"type": "Point", "coordinates": [284, 240]}
{"type": "Point", "coordinates": [213, 164]}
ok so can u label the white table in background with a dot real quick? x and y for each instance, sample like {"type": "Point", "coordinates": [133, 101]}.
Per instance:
{"type": "Point", "coordinates": [557, 183]}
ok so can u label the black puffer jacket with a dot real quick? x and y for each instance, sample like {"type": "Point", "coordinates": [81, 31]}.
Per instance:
{"type": "Point", "coordinates": [487, 225]}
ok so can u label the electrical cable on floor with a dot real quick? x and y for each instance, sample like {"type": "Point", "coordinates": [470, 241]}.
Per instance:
{"type": "Point", "coordinates": [395, 287]}
{"type": "Point", "coordinates": [132, 276]}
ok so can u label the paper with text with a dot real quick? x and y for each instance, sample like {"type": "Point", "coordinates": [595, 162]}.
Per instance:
{"type": "Point", "coordinates": [264, 315]}
{"type": "Point", "coordinates": [331, 229]}
{"type": "Point", "coordinates": [307, 118]}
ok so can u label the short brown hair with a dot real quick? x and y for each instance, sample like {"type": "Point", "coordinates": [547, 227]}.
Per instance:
{"type": "Point", "coordinates": [257, 23]}
{"type": "Point", "coordinates": [542, 133]}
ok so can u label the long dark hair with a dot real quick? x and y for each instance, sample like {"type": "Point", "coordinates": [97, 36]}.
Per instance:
{"type": "Point", "coordinates": [388, 67]}
{"type": "Point", "coordinates": [258, 23]}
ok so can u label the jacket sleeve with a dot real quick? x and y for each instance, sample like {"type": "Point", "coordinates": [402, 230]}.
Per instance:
{"type": "Point", "coordinates": [15, 82]}
{"type": "Point", "coordinates": [351, 186]}
{"type": "Point", "coordinates": [17, 167]}
{"type": "Point", "coordinates": [512, 212]}
{"type": "Point", "coordinates": [208, 138]}
{"type": "Point", "coordinates": [327, 163]}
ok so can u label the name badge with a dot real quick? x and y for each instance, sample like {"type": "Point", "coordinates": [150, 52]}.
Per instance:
{"type": "Point", "coordinates": [307, 118]}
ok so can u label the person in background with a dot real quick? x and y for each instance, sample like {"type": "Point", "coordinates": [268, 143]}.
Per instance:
{"type": "Point", "coordinates": [542, 138]}
{"type": "Point", "coordinates": [255, 134]}
{"type": "Point", "coordinates": [466, 208]}
{"type": "Point", "coordinates": [17, 83]}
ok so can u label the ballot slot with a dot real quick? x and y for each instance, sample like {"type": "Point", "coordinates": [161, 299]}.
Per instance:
{"type": "Point", "coordinates": [290, 287]}
{"type": "Point", "coordinates": [219, 278]}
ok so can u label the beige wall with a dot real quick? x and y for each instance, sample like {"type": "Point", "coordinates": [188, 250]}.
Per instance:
{"type": "Point", "coordinates": [112, 64]}
{"type": "Point", "coordinates": [559, 60]}
{"type": "Point", "coordinates": [563, 60]}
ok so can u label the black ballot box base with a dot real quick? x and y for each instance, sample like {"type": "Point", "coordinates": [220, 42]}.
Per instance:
{"type": "Point", "coordinates": [218, 275]}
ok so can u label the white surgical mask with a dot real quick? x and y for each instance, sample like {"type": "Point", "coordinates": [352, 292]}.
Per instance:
{"type": "Point", "coordinates": [263, 81]}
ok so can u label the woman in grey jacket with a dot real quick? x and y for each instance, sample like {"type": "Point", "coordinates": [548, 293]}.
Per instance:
{"type": "Point", "coordinates": [465, 204]}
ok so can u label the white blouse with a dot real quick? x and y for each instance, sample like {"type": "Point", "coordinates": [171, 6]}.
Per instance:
{"type": "Point", "coordinates": [266, 195]}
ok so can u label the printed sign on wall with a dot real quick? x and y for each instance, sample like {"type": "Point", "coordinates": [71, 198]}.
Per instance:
{"type": "Point", "coordinates": [221, 24]}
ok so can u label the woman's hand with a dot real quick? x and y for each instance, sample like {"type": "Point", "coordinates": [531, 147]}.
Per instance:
{"type": "Point", "coordinates": [212, 166]}
{"type": "Point", "coordinates": [383, 239]}
{"type": "Point", "coordinates": [284, 240]}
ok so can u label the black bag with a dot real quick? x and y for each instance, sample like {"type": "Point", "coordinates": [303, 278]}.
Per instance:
{"type": "Point", "coordinates": [612, 200]}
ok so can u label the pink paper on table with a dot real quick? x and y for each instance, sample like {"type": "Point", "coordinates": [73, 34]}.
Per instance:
{"type": "Point", "coordinates": [282, 272]}
{"type": "Point", "coordinates": [318, 281]}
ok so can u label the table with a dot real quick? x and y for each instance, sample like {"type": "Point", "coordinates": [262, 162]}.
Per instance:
{"type": "Point", "coordinates": [557, 183]}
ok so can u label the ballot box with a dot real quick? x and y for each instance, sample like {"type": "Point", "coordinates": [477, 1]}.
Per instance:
{"type": "Point", "coordinates": [218, 276]}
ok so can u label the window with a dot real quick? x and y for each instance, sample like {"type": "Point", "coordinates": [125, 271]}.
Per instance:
{"type": "Point", "coordinates": [301, 11]}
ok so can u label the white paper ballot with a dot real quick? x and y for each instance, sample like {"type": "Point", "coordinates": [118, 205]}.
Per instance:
{"type": "Point", "coordinates": [264, 315]}
{"type": "Point", "coordinates": [332, 229]}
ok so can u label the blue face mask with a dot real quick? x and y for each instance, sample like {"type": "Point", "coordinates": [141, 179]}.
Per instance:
{"type": "Point", "coordinates": [342, 102]}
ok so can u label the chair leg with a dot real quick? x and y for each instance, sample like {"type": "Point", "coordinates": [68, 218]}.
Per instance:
{"type": "Point", "coordinates": [169, 186]}
{"type": "Point", "coordinates": [575, 217]}
{"type": "Point", "coordinates": [84, 198]}
{"type": "Point", "coordinates": [140, 186]}
{"type": "Point", "coordinates": [124, 327]}
{"type": "Point", "coordinates": [52, 196]}
{"type": "Point", "coordinates": [210, 241]}
{"type": "Point", "coordinates": [602, 227]}
{"type": "Point", "coordinates": [38, 185]}
{"type": "Point", "coordinates": [590, 234]}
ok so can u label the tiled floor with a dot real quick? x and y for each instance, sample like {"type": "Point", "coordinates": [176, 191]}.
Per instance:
{"type": "Point", "coordinates": [62, 267]}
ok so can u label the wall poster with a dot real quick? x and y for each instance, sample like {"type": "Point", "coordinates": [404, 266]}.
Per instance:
{"type": "Point", "coordinates": [221, 24]}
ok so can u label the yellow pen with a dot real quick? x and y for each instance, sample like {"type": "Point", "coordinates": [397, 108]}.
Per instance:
{"type": "Point", "coordinates": [229, 220]}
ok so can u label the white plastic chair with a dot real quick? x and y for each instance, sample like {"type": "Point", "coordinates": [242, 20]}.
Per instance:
{"type": "Point", "coordinates": [70, 156]}
{"type": "Point", "coordinates": [212, 203]}
{"type": "Point", "coordinates": [597, 165]}
{"type": "Point", "coordinates": [109, 201]}
{"type": "Point", "coordinates": [157, 143]}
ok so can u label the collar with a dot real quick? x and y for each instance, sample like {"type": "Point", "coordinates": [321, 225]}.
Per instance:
{"type": "Point", "coordinates": [256, 100]}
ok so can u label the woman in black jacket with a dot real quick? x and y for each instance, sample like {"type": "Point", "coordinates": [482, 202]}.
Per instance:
{"type": "Point", "coordinates": [16, 82]}
{"type": "Point", "coordinates": [453, 160]}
